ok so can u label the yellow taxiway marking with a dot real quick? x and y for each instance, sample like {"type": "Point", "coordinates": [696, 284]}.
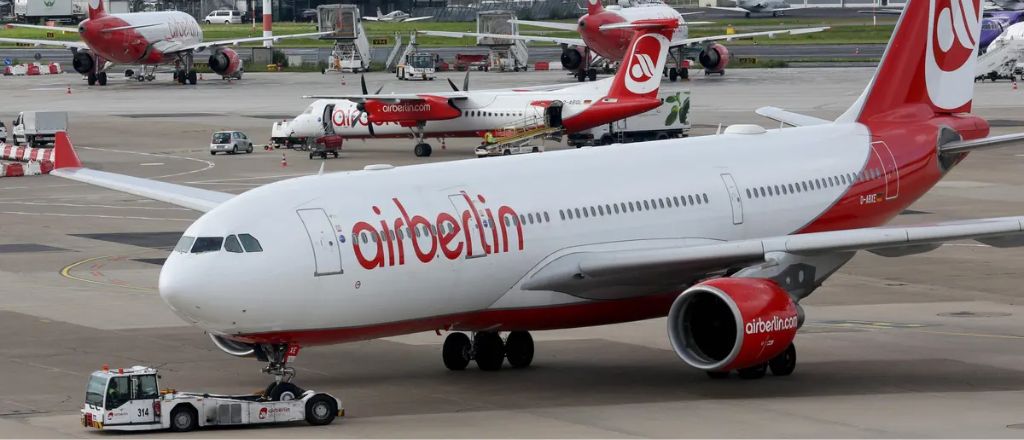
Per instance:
{"type": "Point", "coordinates": [66, 273]}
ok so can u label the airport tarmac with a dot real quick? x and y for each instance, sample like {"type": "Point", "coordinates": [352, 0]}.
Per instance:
{"type": "Point", "coordinates": [921, 346]}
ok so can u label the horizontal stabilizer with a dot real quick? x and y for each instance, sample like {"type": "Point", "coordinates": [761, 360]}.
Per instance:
{"type": "Point", "coordinates": [790, 118]}
{"type": "Point", "coordinates": [983, 143]}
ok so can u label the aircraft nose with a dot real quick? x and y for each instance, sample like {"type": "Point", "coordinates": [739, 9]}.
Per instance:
{"type": "Point", "coordinates": [177, 291]}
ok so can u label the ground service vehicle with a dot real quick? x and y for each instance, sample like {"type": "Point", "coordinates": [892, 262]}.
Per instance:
{"type": "Point", "coordinates": [130, 399]}
{"type": "Point", "coordinates": [232, 142]}
{"type": "Point", "coordinates": [3, 133]}
{"type": "Point", "coordinates": [324, 145]}
{"type": "Point", "coordinates": [37, 129]}
{"type": "Point", "coordinates": [281, 135]}
{"type": "Point", "coordinates": [670, 120]}
{"type": "Point", "coordinates": [224, 16]}
{"type": "Point", "coordinates": [417, 66]}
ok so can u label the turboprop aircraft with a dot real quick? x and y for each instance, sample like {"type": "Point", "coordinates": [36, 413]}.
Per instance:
{"type": "Point", "coordinates": [601, 35]}
{"type": "Point", "coordinates": [725, 235]}
{"type": "Point", "coordinates": [464, 113]}
{"type": "Point", "coordinates": [146, 39]}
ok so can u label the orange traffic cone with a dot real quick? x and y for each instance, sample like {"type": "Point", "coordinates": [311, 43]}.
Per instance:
{"type": "Point", "coordinates": [1015, 85]}
{"type": "Point", "coordinates": [856, 51]}
{"type": "Point", "coordinates": [200, 76]}
{"type": "Point", "coordinates": [69, 90]}
{"type": "Point", "coordinates": [284, 161]}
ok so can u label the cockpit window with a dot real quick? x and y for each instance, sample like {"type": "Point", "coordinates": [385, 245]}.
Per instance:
{"type": "Point", "coordinates": [207, 244]}
{"type": "Point", "coordinates": [184, 244]}
{"type": "Point", "coordinates": [231, 245]}
{"type": "Point", "coordinates": [250, 243]}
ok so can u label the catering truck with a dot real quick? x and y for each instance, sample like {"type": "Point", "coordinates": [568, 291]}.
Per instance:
{"type": "Point", "coordinates": [38, 129]}
{"type": "Point", "coordinates": [669, 120]}
{"type": "Point", "coordinates": [37, 10]}
{"type": "Point", "coordinates": [130, 399]}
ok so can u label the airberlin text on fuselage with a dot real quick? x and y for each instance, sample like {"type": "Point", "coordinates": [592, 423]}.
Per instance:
{"type": "Point", "coordinates": [405, 108]}
{"type": "Point", "coordinates": [453, 235]}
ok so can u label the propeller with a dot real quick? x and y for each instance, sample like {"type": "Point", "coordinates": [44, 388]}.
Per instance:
{"type": "Point", "coordinates": [362, 105]}
{"type": "Point", "coordinates": [465, 83]}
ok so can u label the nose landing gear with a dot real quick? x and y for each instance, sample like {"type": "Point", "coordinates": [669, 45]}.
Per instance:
{"type": "Point", "coordinates": [488, 350]}
{"type": "Point", "coordinates": [281, 389]}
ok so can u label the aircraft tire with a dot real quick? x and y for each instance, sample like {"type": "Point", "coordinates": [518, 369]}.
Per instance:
{"type": "Point", "coordinates": [718, 374]}
{"type": "Point", "coordinates": [519, 349]}
{"type": "Point", "coordinates": [489, 351]}
{"type": "Point", "coordinates": [755, 372]}
{"type": "Point", "coordinates": [455, 352]}
{"type": "Point", "coordinates": [784, 363]}
{"type": "Point", "coordinates": [101, 78]}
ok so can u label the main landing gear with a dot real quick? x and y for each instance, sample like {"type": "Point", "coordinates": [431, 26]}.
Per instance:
{"type": "Point", "coordinates": [488, 350]}
{"type": "Point", "coordinates": [95, 78]}
{"type": "Point", "coordinates": [781, 365]}
{"type": "Point", "coordinates": [281, 389]}
{"type": "Point", "coordinates": [422, 149]}
{"type": "Point", "coordinates": [185, 71]}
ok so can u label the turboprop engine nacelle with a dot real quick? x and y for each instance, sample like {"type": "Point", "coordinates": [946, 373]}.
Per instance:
{"type": "Point", "coordinates": [225, 62]}
{"type": "Point", "coordinates": [726, 324]}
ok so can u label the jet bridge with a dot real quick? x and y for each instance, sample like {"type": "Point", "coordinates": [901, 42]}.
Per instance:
{"type": "Point", "coordinates": [351, 52]}
{"type": "Point", "coordinates": [503, 54]}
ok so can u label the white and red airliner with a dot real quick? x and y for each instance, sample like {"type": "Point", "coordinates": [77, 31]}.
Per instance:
{"type": "Point", "coordinates": [464, 113]}
{"type": "Point", "coordinates": [724, 234]}
{"type": "Point", "coordinates": [146, 39]}
{"type": "Point", "coordinates": [600, 35]}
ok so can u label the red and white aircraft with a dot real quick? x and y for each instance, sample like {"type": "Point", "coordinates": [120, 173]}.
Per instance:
{"type": "Point", "coordinates": [571, 108]}
{"type": "Point", "coordinates": [147, 39]}
{"type": "Point", "coordinates": [600, 34]}
{"type": "Point", "coordinates": [723, 234]}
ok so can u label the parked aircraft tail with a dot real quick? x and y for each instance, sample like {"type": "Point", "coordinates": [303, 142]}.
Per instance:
{"type": "Point", "coordinates": [96, 9]}
{"type": "Point", "coordinates": [644, 62]}
{"type": "Point", "coordinates": [930, 61]}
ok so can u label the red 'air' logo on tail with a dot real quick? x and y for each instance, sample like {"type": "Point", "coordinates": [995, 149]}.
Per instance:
{"type": "Point", "coordinates": [953, 31]}
{"type": "Point", "coordinates": [645, 62]}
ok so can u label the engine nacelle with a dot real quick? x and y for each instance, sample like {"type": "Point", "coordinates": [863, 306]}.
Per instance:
{"type": "Point", "coordinates": [83, 62]}
{"type": "Point", "coordinates": [726, 324]}
{"type": "Point", "coordinates": [225, 62]}
{"type": "Point", "coordinates": [571, 58]}
{"type": "Point", "coordinates": [428, 108]}
{"type": "Point", "coordinates": [232, 347]}
{"type": "Point", "coordinates": [714, 58]}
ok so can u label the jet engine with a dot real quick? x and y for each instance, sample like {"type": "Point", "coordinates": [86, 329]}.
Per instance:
{"type": "Point", "coordinates": [232, 347]}
{"type": "Point", "coordinates": [571, 58]}
{"type": "Point", "coordinates": [714, 58]}
{"type": "Point", "coordinates": [225, 62]}
{"type": "Point", "coordinates": [83, 62]}
{"type": "Point", "coordinates": [727, 324]}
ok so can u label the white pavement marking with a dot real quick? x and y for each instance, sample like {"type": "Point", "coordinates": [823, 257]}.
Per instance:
{"type": "Point", "coordinates": [122, 217]}
{"type": "Point", "coordinates": [150, 164]}
{"type": "Point", "coordinates": [209, 164]}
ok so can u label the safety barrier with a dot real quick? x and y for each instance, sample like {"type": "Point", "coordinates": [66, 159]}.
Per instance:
{"type": "Point", "coordinates": [33, 69]}
{"type": "Point", "coordinates": [31, 168]}
{"type": "Point", "coordinates": [11, 152]}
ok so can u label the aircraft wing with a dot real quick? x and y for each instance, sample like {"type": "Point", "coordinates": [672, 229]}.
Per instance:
{"type": "Point", "coordinates": [68, 166]}
{"type": "Point", "coordinates": [64, 44]}
{"type": "Point", "coordinates": [47, 28]}
{"type": "Point", "coordinates": [769, 34]}
{"type": "Point", "coordinates": [208, 44]}
{"type": "Point", "coordinates": [556, 40]}
{"type": "Point", "coordinates": [392, 97]}
{"type": "Point", "coordinates": [587, 274]}
{"type": "Point", "coordinates": [418, 18]}
{"type": "Point", "coordinates": [790, 118]}
{"type": "Point", "coordinates": [726, 8]}
{"type": "Point", "coordinates": [548, 24]}
{"type": "Point", "coordinates": [371, 18]}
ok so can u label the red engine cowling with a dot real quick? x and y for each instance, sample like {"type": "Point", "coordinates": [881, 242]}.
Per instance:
{"type": "Point", "coordinates": [726, 324]}
{"type": "Point", "coordinates": [225, 62]}
{"type": "Point", "coordinates": [714, 58]}
{"type": "Point", "coordinates": [429, 108]}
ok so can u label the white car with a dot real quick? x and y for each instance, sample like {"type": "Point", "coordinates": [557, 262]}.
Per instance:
{"type": "Point", "coordinates": [231, 142]}
{"type": "Point", "coordinates": [224, 16]}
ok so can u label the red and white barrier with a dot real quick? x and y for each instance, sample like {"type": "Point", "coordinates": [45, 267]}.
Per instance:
{"type": "Point", "coordinates": [11, 152]}
{"type": "Point", "coordinates": [33, 69]}
{"type": "Point", "coordinates": [18, 169]}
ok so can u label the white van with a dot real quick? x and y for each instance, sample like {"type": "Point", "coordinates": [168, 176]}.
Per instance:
{"type": "Point", "coordinates": [224, 16]}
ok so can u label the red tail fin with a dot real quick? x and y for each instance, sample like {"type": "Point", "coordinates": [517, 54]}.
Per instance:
{"type": "Point", "coordinates": [929, 61]}
{"type": "Point", "coordinates": [642, 67]}
{"type": "Point", "coordinates": [96, 9]}
{"type": "Point", "coordinates": [594, 6]}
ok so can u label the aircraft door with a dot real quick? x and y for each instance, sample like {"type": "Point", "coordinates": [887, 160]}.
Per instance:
{"type": "Point", "coordinates": [889, 168]}
{"type": "Point", "coordinates": [328, 119]}
{"type": "Point", "coordinates": [477, 247]}
{"type": "Point", "coordinates": [734, 198]}
{"type": "Point", "coordinates": [533, 115]}
{"type": "Point", "coordinates": [323, 239]}
{"type": "Point", "coordinates": [553, 114]}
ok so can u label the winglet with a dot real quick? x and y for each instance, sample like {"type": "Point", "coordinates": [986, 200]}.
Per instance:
{"type": "Point", "coordinates": [64, 155]}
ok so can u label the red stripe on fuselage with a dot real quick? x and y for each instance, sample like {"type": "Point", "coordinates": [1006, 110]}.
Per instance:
{"type": "Point", "coordinates": [538, 318]}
